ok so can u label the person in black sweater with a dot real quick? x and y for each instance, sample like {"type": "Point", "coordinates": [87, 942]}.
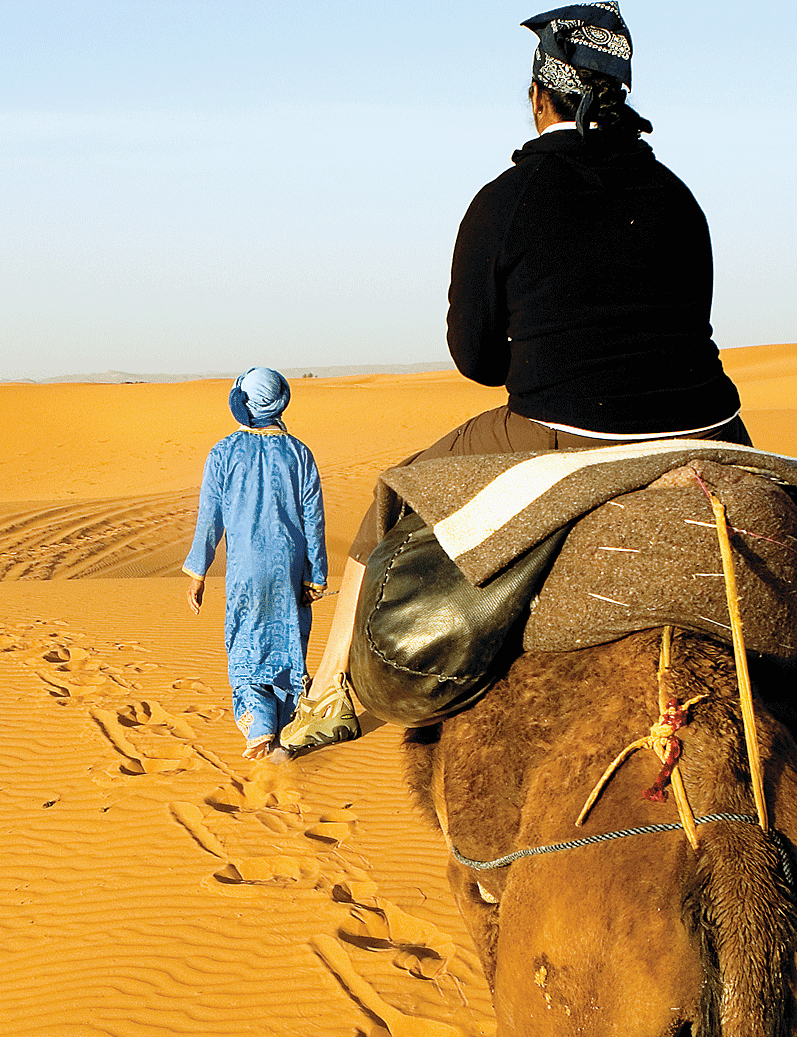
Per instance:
{"type": "Point", "coordinates": [582, 277]}
{"type": "Point", "coordinates": [581, 280]}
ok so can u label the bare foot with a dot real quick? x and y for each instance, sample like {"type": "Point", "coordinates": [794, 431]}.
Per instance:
{"type": "Point", "coordinates": [261, 749]}
{"type": "Point", "coordinates": [270, 750]}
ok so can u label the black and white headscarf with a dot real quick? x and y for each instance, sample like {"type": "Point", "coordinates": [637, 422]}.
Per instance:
{"type": "Point", "coordinates": [581, 36]}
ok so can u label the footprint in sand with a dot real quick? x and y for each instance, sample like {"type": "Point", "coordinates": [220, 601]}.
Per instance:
{"type": "Point", "coordinates": [132, 646]}
{"type": "Point", "coordinates": [277, 868]}
{"type": "Point", "coordinates": [396, 1023]}
{"type": "Point", "coordinates": [152, 723]}
{"type": "Point", "coordinates": [156, 720]}
{"type": "Point", "coordinates": [334, 829]}
{"type": "Point", "coordinates": [256, 828]}
{"type": "Point", "coordinates": [29, 639]}
{"type": "Point", "coordinates": [140, 667]}
{"type": "Point", "coordinates": [419, 947]}
{"type": "Point", "coordinates": [209, 713]}
{"type": "Point", "coordinates": [137, 760]}
{"type": "Point", "coordinates": [191, 683]}
{"type": "Point", "coordinates": [72, 672]}
{"type": "Point", "coordinates": [275, 790]}
{"type": "Point", "coordinates": [71, 658]}
{"type": "Point", "coordinates": [269, 840]}
{"type": "Point", "coordinates": [84, 668]}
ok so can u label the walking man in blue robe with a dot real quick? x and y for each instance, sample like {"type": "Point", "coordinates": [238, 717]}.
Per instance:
{"type": "Point", "coordinates": [261, 486]}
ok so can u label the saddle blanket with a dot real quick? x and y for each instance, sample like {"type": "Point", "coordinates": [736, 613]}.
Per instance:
{"type": "Point", "coordinates": [643, 550]}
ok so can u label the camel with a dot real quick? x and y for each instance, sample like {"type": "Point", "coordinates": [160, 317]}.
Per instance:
{"type": "Point", "coordinates": [639, 936]}
{"type": "Point", "coordinates": [647, 934]}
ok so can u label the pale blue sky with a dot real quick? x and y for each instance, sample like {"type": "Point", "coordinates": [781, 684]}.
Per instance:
{"type": "Point", "coordinates": [198, 185]}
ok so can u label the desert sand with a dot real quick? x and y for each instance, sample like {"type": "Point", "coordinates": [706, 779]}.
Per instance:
{"type": "Point", "coordinates": [154, 882]}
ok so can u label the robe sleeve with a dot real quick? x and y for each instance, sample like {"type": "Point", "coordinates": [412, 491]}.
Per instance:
{"type": "Point", "coordinates": [209, 523]}
{"type": "Point", "coordinates": [315, 569]}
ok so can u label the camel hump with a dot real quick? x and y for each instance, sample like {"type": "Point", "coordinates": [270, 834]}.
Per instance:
{"type": "Point", "coordinates": [652, 558]}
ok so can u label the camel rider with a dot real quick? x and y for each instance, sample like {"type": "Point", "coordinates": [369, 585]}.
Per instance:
{"type": "Point", "coordinates": [564, 289]}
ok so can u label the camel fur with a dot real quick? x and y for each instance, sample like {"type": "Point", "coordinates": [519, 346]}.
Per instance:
{"type": "Point", "coordinates": [640, 936]}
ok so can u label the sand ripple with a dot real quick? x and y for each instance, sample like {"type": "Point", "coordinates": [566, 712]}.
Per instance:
{"type": "Point", "coordinates": [159, 885]}
{"type": "Point", "coordinates": [124, 537]}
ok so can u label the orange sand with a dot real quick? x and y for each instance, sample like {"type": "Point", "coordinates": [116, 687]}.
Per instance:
{"type": "Point", "coordinates": [154, 882]}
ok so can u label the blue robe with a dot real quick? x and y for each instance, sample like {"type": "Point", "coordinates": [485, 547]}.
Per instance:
{"type": "Point", "coordinates": [262, 487]}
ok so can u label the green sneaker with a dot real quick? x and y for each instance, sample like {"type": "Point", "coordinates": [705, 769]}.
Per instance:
{"type": "Point", "coordinates": [323, 721]}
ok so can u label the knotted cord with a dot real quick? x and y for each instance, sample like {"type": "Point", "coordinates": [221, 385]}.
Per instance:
{"type": "Point", "coordinates": [673, 716]}
{"type": "Point", "coordinates": [663, 742]}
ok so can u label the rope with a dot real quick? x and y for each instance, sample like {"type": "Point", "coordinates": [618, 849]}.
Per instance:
{"type": "Point", "coordinates": [673, 716]}
{"type": "Point", "coordinates": [785, 857]}
{"type": "Point", "coordinates": [667, 747]}
{"type": "Point", "coordinates": [605, 837]}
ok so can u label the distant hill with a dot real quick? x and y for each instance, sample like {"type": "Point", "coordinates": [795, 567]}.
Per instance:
{"type": "Point", "coordinates": [121, 377]}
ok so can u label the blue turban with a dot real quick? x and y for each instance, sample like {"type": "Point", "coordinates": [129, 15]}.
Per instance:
{"type": "Point", "coordinates": [258, 397]}
{"type": "Point", "coordinates": [582, 36]}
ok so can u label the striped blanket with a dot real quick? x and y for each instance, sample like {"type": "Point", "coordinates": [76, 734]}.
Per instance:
{"type": "Point", "coordinates": [645, 556]}
{"type": "Point", "coordinates": [486, 511]}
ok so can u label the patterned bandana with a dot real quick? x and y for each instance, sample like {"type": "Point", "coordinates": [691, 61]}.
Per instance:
{"type": "Point", "coordinates": [582, 36]}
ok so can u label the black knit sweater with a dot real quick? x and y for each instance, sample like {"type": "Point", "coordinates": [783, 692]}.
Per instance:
{"type": "Point", "coordinates": [582, 280]}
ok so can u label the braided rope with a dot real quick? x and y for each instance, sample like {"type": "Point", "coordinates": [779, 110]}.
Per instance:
{"type": "Point", "coordinates": [534, 851]}
{"type": "Point", "coordinates": [785, 857]}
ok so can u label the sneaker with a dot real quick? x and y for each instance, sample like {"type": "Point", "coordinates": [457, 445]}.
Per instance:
{"type": "Point", "coordinates": [323, 721]}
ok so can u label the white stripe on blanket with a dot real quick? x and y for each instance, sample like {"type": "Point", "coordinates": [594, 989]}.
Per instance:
{"type": "Point", "coordinates": [512, 491]}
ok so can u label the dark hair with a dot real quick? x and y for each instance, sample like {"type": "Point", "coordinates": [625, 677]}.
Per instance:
{"type": "Point", "coordinates": [608, 108]}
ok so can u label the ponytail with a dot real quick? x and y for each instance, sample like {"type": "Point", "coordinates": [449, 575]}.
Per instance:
{"type": "Point", "coordinates": [602, 102]}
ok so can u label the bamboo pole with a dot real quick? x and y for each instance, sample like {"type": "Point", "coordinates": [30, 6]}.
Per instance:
{"type": "Point", "coordinates": [742, 673]}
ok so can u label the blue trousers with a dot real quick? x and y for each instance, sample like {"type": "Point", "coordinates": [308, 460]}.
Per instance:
{"type": "Point", "coordinates": [261, 711]}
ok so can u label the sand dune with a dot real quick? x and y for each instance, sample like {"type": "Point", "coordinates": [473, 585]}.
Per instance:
{"type": "Point", "coordinates": [154, 882]}
{"type": "Point", "coordinates": [128, 536]}
{"type": "Point", "coordinates": [767, 380]}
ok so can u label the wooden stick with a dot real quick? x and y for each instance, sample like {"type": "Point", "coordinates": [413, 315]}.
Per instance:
{"type": "Point", "coordinates": [742, 674]}
{"type": "Point", "coordinates": [685, 813]}
{"type": "Point", "coordinates": [664, 665]}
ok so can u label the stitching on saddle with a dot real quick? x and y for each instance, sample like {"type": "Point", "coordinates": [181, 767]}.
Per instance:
{"type": "Point", "coordinates": [442, 678]}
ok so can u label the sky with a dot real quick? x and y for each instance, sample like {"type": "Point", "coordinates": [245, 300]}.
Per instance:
{"type": "Point", "coordinates": [190, 186]}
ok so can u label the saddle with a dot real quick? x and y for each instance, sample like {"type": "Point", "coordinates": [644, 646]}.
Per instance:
{"type": "Point", "coordinates": [429, 638]}
{"type": "Point", "coordinates": [426, 642]}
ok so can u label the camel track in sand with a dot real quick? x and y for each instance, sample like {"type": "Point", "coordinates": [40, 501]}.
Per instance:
{"type": "Point", "coordinates": [116, 537]}
{"type": "Point", "coordinates": [141, 536]}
